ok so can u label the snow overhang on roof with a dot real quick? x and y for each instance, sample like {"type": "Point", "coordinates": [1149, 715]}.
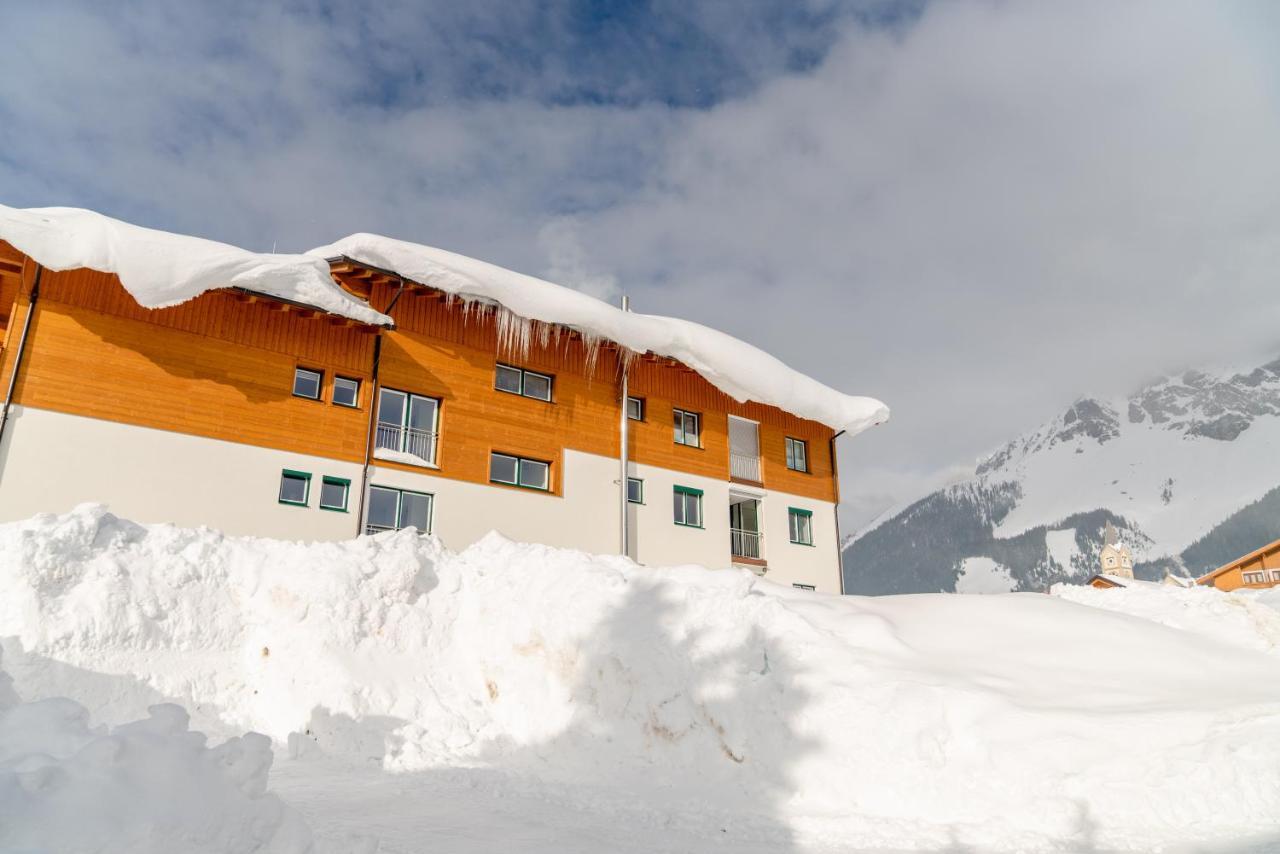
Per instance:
{"type": "Point", "coordinates": [160, 269]}
{"type": "Point", "coordinates": [740, 370]}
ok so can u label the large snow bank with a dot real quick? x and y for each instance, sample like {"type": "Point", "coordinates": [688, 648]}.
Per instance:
{"type": "Point", "coordinates": [1015, 722]}
{"type": "Point", "coordinates": [160, 269]}
{"type": "Point", "coordinates": [1243, 618]}
{"type": "Point", "coordinates": [147, 786]}
{"type": "Point", "coordinates": [738, 369]}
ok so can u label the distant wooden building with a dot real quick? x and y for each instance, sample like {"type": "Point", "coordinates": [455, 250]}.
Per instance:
{"type": "Point", "coordinates": [1257, 570]}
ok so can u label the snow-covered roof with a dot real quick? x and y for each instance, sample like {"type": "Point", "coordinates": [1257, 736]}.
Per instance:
{"type": "Point", "coordinates": [740, 370]}
{"type": "Point", "coordinates": [161, 269]}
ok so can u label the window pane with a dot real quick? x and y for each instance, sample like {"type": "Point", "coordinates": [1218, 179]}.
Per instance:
{"type": "Point", "coordinates": [383, 506]}
{"type": "Point", "coordinates": [502, 468]}
{"type": "Point", "coordinates": [415, 511]}
{"type": "Point", "coordinates": [635, 490]}
{"type": "Point", "coordinates": [536, 385]}
{"type": "Point", "coordinates": [422, 413]}
{"type": "Point", "coordinates": [346, 392]}
{"type": "Point", "coordinates": [802, 457]}
{"type": "Point", "coordinates": [791, 453]}
{"type": "Point", "coordinates": [635, 409]}
{"type": "Point", "coordinates": [533, 474]}
{"type": "Point", "coordinates": [693, 509]}
{"type": "Point", "coordinates": [306, 383]}
{"type": "Point", "coordinates": [391, 406]}
{"type": "Point", "coordinates": [679, 508]}
{"type": "Point", "coordinates": [333, 494]}
{"type": "Point", "coordinates": [679, 425]}
{"type": "Point", "coordinates": [508, 379]}
{"type": "Point", "coordinates": [293, 488]}
{"type": "Point", "coordinates": [690, 428]}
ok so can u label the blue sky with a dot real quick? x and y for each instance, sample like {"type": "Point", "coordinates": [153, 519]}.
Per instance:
{"type": "Point", "coordinates": [974, 210]}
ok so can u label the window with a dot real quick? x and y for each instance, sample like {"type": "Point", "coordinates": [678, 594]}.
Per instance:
{"type": "Point", "coordinates": [346, 391]}
{"type": "Point", "coordinates": [800, 526]}
{"type": "Point", "coordinates": [635, 490]}
{"type": "Point", "coordinates": [518, 471]}
{"type": "Point", "coordinates": [333, 493]}
{"type": "Point", "coordinates": [295, 487]}
{"type": "Point", "coordinates": [804, 586]}
{"type": "Point", "coordinates": [686, 428]}
{"type": "Point", "coordinates": [635, 408]}
{"type": "Point", "coordinates": [797, 454]}
{"type": "Point", "coordinates": [393, 509]}
{"type": "Point", "coordinates": [1255, 578]}
{"type": "Point", "coordinates": [1111, 561]}
{"type": "Point", "coordinates": [1275, 575]}
{"type": "Point", "coordinates": [688, 506]}
{"type": "Point", "coordinates": [407, 423]}
{"type": "Point", "coordinates": [306, 383]}
{"type": "Point", "coordinates": [522, 382]}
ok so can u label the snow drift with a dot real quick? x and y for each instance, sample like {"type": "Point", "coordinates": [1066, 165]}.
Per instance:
{"type": "Point", "coordinates": [1015, 722]}
{"type": "Point", "coordinates": [147, 786]}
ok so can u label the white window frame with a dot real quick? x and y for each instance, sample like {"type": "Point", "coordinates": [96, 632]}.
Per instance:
{"type": "Point", "coordinates": [345, 483]}
{"type": "Point", "coordinates": [334, 395]}
{"type": "Point", "coordinates": [400, 493]}
{"type": "Point", "coordinates": [319, 375]}
{"type": "Point", "coordinates": [403, 442]}
{"type": "Point", "coordinates": [524, 385]}
{"type": "Point", "coordinates": [792, 445]}
{"type": "Point", "coordinates": [520, 464]}
{"type": "Point", "coordinates": [639, 482]}
{"type": "Point", "coordinates": [681, 517]}
{"type": "Point", "coordinates": [639, 404]}
{"type": "Point", "coordinates": [294, 474]}
{"type": "Point", "coordinates": [681, 436]}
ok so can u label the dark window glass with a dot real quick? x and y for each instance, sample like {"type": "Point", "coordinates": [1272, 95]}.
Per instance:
{"type": "Point", "coordinates": [384, 507]}
{"type": "Point", "coordinates": [508, 379]}
{"type": "Point", "coordinates": [502, 468]}
{"type": "Point", "coordinates": [346, 392]}
{"type": "Point", "coordinates": [293, 488]}
{"type": "Point", "coordinates": [635, 490]}
{"type": "Point", "coordinates": [533, 474]}
{"type": "Point", "coordinates": [333, 494]}
{"type": "Point", "coordinates": [537, 385]}
{"type": "Point", "coordinates": [635, 408]}
{"type": "Point", "coordinates": [415, 511]}
{"type": "Point", "coordinates": [306, 383]}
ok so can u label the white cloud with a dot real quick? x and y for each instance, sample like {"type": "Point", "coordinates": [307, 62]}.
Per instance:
{"type": "Point", "coordinates": [976, 217]}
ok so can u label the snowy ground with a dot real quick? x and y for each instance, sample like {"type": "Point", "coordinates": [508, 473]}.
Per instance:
{"type": "Point", "coordinates": [523, 699]}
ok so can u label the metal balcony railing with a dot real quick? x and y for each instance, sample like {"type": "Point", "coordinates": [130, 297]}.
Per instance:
{"type": "Point", "coordinates": [376, 529]}
{"type": "Point", "coordinates": [744, 543]}
{"type": "Point", "coordinates": [420, 443]}
{"type": "Point", "coordinates": [744, 466]}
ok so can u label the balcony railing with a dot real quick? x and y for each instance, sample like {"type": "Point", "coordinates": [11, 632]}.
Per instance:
{"type": "Point", "coordinates": [420, 443]}
{"type": "Point", "coordinates": [376, 529]}
{"type": "Point", "coordinates": [744, 543]}
{"type": "Point", "coordinates": [744, 466]}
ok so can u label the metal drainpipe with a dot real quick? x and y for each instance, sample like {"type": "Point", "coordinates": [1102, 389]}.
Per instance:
{"type": "Point", "coordinates": [22, 346]}
{"type": "Point", "coordinates": [835, 474]}
{"type": "Point", "coordinates": [373, 411]}
{"type": "Point", "coordinates": [624, 432]}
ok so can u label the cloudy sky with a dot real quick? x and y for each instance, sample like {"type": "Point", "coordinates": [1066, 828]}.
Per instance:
{"type": "Point", "coordinates": [976, 211]}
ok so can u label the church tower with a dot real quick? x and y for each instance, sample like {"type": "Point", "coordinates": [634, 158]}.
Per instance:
{"type": "Point", "coordinates": [1114, 558]}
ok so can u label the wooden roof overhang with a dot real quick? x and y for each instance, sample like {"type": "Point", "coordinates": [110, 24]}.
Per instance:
{"type": "Point", "coordinates": [1208, 577]}
{"type": "Point", "coordinates": [359, 279]}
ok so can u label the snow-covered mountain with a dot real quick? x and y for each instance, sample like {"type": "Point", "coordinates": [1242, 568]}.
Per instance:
{"type": "Point", "coordinates": [1188, 469]}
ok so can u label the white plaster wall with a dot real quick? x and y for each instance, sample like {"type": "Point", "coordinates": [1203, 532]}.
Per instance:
{"type": "Point", "coordinates": [51, 462]}
{"type": "Point", "coordinates": [658, 541]}
{"type": "Point", "coordinates": [586, 517]}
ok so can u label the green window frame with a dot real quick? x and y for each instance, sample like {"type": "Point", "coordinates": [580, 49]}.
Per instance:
{"type": "Point", "coordinates": [638, 493]}
{"type": "Point", "coordinates": [797, 455]}
{"type": "Point", "coordinates": [521, 472]}
{"type": "Point", "coordinates": [800, 526]}
{"type": "Point", "coordinates": [685, 499]}
{"type": "Point", "coordinates": [513, 380]}
{"type": "Point", "coordinates": [342, 482]}
{"type": "Point", "coordinates": [287, 475]}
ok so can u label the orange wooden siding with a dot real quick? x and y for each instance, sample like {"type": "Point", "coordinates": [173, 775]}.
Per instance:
{"type": "Point", "coordinates": [215, 366]}
{"type": "Point", "coordinates": [222, 366]}
{"type": "Point", "coordinates": [1231, 575]}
